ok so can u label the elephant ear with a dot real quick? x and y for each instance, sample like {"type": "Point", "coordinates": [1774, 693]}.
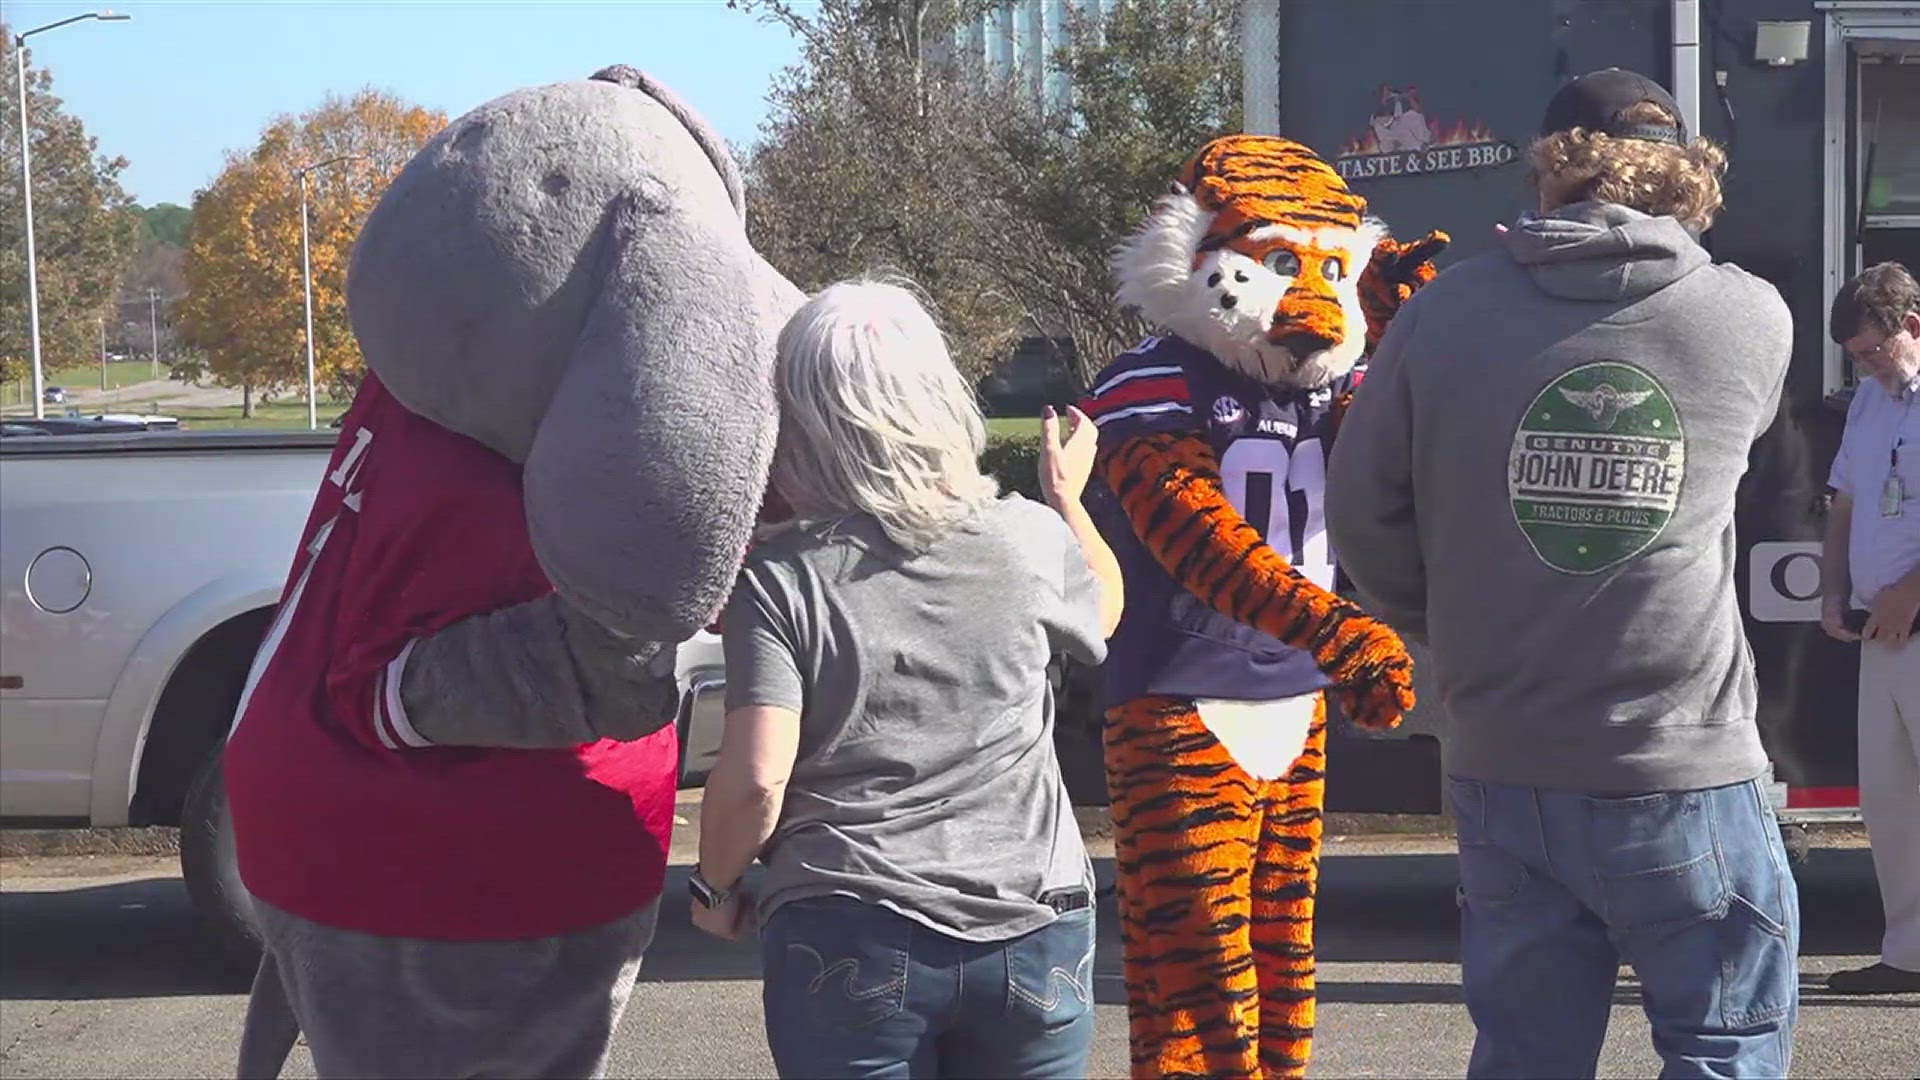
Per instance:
{"type": "Point", "coordinates": [653, 454]}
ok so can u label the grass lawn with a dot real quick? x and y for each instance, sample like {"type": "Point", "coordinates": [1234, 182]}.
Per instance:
{"type": "Point", "coordinates": [279, 416]}
{"type": "Point", "coordinates": [87, 376]}
{"type": "Point", "coordinates": [999, 427]}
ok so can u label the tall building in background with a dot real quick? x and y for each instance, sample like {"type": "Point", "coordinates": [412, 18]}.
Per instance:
{"type": "Point", "coordinates": [1012, 41]}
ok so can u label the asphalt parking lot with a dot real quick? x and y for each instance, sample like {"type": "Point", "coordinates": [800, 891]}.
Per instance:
{"type": "Point", "coordinates": [104, 973]}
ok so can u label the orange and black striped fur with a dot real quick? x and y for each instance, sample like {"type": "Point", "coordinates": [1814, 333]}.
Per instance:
{"type": "Point", "coordinates": [1216, 866]}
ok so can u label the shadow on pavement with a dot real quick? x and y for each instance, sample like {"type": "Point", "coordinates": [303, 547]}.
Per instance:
{"type": "Point", "coordinates": [142, 939]}
{"type": "Point", "coordinates": [123, 940]}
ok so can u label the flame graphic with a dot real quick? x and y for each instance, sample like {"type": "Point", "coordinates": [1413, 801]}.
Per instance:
{"type": "Point", "coordinates": [1460, 134]}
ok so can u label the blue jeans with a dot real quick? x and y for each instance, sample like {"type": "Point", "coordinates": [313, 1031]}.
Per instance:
{"type": "Point", "coordinates": [854, 989]}
{"type": "Point", "coordinates": [1689, 887]}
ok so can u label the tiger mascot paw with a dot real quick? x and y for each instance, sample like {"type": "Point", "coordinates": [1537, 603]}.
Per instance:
{"type": "Point", "coordinates": [1375, 689]}
{"type": "Point", "coordinates": [1395, 272]}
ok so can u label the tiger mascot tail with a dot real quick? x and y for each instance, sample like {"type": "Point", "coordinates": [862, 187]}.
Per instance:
{"type": "Point", "coordinates": [1269, 282]}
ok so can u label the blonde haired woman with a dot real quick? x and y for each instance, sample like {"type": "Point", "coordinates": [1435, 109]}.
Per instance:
{"type": "Point", "coordinates": [927, 906]}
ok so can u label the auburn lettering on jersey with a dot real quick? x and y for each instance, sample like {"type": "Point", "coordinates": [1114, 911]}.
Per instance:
{"type": "Point", "coordinates": [1272, 445]}
{"type": "Point", "coordinates": [343, 813]}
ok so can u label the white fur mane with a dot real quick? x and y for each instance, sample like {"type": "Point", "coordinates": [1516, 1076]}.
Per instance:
{"type": "Point", "coordinates": [1155, 272]}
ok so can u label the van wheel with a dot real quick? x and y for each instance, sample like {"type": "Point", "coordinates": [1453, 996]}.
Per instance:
{"type": "Point", "coordinates": [208, 864]}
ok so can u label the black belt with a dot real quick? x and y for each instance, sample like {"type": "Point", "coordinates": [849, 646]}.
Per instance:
{"type": "Point", "coordinates": [1065, 900]}
{"type": "Point", "coordinates": [1856, 620]}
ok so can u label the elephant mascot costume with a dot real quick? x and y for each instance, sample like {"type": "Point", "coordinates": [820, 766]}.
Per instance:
{"type": "Point", "coordinates": [453, 766]}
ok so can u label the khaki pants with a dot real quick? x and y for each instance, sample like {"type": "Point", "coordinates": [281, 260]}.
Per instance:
{"type": "Point", "coordinates": [1890, 788]}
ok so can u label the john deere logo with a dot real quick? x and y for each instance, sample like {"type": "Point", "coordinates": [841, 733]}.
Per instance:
{"type": "Point", "coordinates": [1596, 468]}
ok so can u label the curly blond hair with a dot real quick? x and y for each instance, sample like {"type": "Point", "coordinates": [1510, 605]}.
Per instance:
{"type": "Point", "coordinates": [1654, 178]}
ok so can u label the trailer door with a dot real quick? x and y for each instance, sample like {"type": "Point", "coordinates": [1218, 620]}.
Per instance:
{"type": "Point", "coordinates": [1871, 197]}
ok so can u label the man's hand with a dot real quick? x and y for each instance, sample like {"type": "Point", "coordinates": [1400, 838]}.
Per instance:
{"type": "Point", "coordinates": [1890, 621]}
{"type": "Point", "coordinates": [728, 920]}
{"type": "Point", "coordinates": [1833, 610]}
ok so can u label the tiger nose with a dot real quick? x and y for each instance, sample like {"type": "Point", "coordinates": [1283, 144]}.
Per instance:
{"type": "Point", "coordinates": [1305, 342]}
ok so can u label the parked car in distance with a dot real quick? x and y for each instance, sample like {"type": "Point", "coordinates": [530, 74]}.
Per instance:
{"type": "Point", "coordinates": [71, 425]}
{"type": "Point", "coordinates": [147, 421]}
{"type": "Point", "coordinates": [55, 395]}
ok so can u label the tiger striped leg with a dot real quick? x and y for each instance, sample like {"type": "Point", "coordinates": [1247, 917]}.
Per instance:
{"type": "Point", "coordinates": [1286, 869]}
{"type": "Point", "coordinates": [1186, 818]}
{"type": "Point", "coordinates": [1139, 1023]}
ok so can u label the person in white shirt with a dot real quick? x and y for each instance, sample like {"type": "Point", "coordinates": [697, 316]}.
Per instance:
{"type": "Point", "coordinates": [1872, 595]}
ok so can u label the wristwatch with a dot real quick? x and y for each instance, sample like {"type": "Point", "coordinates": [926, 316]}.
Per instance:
{"type": "Point", "coordinates": [704, 894]}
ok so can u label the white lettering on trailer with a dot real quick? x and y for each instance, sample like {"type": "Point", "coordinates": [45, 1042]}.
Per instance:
{"type": "Point", "coordinates": [1783, 581]}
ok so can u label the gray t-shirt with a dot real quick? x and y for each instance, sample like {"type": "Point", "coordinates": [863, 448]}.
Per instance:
{"type": "Point", "coordinates": [926, 779]}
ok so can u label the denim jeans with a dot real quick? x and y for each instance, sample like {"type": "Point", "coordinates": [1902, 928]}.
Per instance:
{"type": "Point", "coordinates": [855, 990]}
{"type": "Point", "coordinates": [1689, 887]}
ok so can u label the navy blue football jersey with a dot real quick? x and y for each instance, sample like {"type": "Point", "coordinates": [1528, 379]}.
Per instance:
{"type": "Point", "coordinates": [1272, 445]}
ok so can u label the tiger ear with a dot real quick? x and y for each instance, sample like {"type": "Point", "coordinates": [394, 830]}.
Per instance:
{"type": "Point", "coordinates": [1386, 94]}
{"type": "Point", "coordinates": [1212, 191]}
{"type": "Point", "coordinates": [1176, 188]}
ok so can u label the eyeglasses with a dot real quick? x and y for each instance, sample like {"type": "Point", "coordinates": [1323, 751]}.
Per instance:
{"type": "Point", "coordinates": [1878, 352]}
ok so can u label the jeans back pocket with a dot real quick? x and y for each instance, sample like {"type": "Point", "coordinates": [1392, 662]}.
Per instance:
{"type": "Point", "coordinates": [834, 963]}
{"type": "Point", "coordinates": [1656, 862]}
{"type": "Point", "coordinates": [1050, 972]}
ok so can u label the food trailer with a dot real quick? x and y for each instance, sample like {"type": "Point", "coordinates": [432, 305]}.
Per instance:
{"type": "Point", "coordinates": [1427, 107]}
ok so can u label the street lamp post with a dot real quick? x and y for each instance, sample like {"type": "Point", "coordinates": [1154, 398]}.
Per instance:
{"type": "Point", "coordinates": [153, 328]}
{"type": "Point", "coordinates": [26, 194]}
{"type": "Point", "coordinates": [306, 276]}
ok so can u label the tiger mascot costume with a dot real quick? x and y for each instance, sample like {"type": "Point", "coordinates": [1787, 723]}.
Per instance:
{"type": "Point", "coordinates": [1260, 267]}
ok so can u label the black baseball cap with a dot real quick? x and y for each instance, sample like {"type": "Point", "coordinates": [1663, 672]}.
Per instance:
{"type": "Point", "coordinates": [1596, 100]}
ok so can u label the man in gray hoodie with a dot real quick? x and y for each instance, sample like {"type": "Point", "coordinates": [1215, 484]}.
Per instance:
{"type": "Point", "coordinates": [1538, 479]}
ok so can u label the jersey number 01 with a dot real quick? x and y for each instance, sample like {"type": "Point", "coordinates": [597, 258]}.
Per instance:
{"type": "Point", "coordinates": [1282, 492]}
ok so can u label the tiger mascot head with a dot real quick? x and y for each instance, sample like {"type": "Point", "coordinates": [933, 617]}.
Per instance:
{"type": "Point", "coordinates": [1262, 256]}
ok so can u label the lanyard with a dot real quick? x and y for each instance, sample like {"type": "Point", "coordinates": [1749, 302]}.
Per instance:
{"type": "Point", "coordinates": [1894, 492]}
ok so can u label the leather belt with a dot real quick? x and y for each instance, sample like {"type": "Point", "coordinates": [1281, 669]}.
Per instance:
{"type": "Point", "coordinates": [1065, 900]}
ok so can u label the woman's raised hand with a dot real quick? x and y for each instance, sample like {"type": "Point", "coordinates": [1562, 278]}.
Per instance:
{"type": "Point", "coordinates": [1066, 462]}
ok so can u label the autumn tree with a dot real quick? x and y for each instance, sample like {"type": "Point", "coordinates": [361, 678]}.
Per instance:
{"type": "Point", "coordinates": [888, 147]}
{"type": "Point", "coordinates": [83, 232]}
{"type": "Point", "coordinates": [243, 308]}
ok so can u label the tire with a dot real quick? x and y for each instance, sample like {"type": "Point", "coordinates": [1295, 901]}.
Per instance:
{"type": "Point", "coordinates": [1798, 844]}
{"type": "Point", "coordinates": [212, 872]}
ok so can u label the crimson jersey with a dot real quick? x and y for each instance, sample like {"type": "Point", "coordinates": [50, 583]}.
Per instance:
{"type": "Point", "coordinates": [342, 813]}
{"type": "Point", "coordinates": [1272, 446]}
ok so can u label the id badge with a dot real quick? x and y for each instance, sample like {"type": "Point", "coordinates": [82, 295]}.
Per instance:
{"type": "Point", "coordinates": [1892, 494]}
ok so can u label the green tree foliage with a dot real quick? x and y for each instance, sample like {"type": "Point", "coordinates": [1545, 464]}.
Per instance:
{"type": "Point", "coordinates": [887, 147]}
{"type": "Point", "coordinates": [166, 223]}
{"type": "Point", "coordinates": [83, 230]}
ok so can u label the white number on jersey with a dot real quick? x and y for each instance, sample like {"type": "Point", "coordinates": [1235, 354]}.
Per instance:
{"type": "Point", "coordinates": [1282, 493]}
{"type": "Point", "coordinates": [343, 478]}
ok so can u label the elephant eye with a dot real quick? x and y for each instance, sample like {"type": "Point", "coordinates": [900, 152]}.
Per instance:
{"type": "Point", "coordinates": [1282, 262]}
{"type": "Point", "coordinates": [1333, 269]}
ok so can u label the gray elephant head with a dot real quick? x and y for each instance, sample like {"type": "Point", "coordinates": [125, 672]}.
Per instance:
{"type": "Point", "coordinates": [563, 274]}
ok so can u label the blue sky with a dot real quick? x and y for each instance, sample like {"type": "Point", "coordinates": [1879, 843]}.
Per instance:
{"type": "Point", "coordinates": [180, 84]}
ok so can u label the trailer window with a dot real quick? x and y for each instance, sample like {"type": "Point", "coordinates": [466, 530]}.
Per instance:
{"type": "Point", "coordinates": [1890, 123]}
